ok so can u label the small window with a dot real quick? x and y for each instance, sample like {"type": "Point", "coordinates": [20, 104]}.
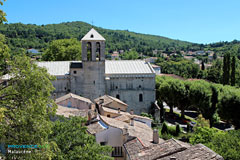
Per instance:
{"type": "Point", "coordinates": [69, 104]}
{"type": "Point", "coordinates": [108, 115]}
{"type": "Point", "coordinates": [117, 152]}
{"type": "Point", "coordinates": [139, 86]}
{"type": "Point", "coordinates": [93, 82]}
{"type": "Point", "coordinates": [74, 72]}
{"type": "Point", "coordinates": [102, 143]}
{"type": "Point", "coordinates": [118, 96]}
{"type": "Point", "coordinates": [116, 87]}
{"type": "Point", "coordinates": [92, 36]}
{"type": "Point", "coordinates": [140, 97]}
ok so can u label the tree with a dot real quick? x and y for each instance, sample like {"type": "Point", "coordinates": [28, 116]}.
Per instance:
{"type": "Point", "coordinates": [229, 106]}
{"type": "Point", "coordinates": [73, 141]}
{"type": "Point", "coordinates": [63, 50]}
{"type": "Point", "coordinates": [130, 55]}
{"type": "Point", "coordinates": [2, 14]}
{"type": "Point", "coordinates": [226, 68]}
{"type": "Point", "coordinates": [226, 143]}
{"type": "Point", "coordinates": [25, 97]}
{"type": "Point", "coordinates": [203, 67]}
{"type": "Point", "coordinates": [233, 65]}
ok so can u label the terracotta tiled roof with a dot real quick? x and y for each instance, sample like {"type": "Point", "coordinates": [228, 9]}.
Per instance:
{"type": "Point", "coordinates": [139, 129]}
{"type": "Point", "coordinates": [66, 112]}
{"type": "Point", "coordinates": [108, 99]}
{"type": "Point", "coordinates": [71, 95]}
{"type": "Point", "coordinates": [198, 152]}
{"type": "Point", "coordinates": [155, 151]}
{"type": "Point", "coordinates": [123, 118]}
{"type": "Point", "coordinates": [95, 128]}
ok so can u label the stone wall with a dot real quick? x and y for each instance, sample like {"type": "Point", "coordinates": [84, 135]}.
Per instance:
{"type": "Point", "coordinates": [129, 89]}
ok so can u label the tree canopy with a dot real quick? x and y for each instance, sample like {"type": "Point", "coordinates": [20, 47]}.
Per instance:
{"type": "Point", "coordinates": [63, 50]}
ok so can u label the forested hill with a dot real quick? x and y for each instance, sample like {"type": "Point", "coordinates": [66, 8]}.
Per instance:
{"type": "Point", "coordinates": [38, 36]}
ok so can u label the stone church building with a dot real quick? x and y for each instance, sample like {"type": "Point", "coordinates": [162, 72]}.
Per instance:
{"type": "Point", "coordinates": [132, 81]}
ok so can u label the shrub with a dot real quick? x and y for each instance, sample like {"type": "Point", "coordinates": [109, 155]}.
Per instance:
{"type": "Point", "coordinates": [177, 130]}
{"type": "Point", "coordinates": [164, 129]}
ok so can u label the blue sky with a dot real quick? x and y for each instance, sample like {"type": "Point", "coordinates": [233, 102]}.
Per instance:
{"type": "Point", "coordinates": [200, 21]}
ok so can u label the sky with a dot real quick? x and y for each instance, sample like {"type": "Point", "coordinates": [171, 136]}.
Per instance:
{"type": "Point", "coordinates": [199, 21]}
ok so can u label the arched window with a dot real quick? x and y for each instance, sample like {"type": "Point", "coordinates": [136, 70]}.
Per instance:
{"type": "Point", "coordinates": [89, 51]}
{"type": "Point", "coordinates": [140, 97]}
{"type": "Point", "coordinates": [98, 49]}
{"type": "Point", "coordinates": [118, 96]}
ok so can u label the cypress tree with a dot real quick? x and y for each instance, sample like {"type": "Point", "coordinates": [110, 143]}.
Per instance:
{"type": "Point", "coordinates": [203, 67]}
{"type": "Point", "coordinates": [164, 128]}
{"type": "Point", "coordinates": [233, 65]}
{"type": "Point", "coordinates": [226, 68]}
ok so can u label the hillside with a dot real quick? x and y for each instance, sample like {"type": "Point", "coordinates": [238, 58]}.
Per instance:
{"type": "Point", "coordinates": [34, 36]}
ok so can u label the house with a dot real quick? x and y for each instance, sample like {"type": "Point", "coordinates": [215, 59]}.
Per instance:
{"type": "Point", "coordinates": [151, 59]}
{"type": "Point", "coordinates": [156, 68]}
{"type": "Point", "coordinates": [114, 108]}
{"type": "Point", "coordinates": [111, 102]}
{"type": "Point", "coordinates": [115, 56]}
{"type": "Point", "coordinates": [114, 132]}
{"type": "Point", "coordinates": [74, 105]}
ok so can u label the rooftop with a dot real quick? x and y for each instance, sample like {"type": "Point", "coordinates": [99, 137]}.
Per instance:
{"type": "Point", "coordinates": [128, 67]}
{"type": "Point", "coordinates": [108, 99]}
{"type": "Point", "coordinates": [139, 129]}
{"type": "Point", "coordinates": [125, 67]}
{"type": "Point", "coordinates": [198, 152]}
{"type": "Point", "coordinates": [93, 35]}
{"type": "Point", "coordinates": [95, 128]}
{"type": "Point", "coordinates": [56, 68]}
{"type": "Point", "coordinates": [67, 112]}
{"type": "Point", "coordinates": [71, 95]}
{"type": "Point", "coordinates": [154, 151]}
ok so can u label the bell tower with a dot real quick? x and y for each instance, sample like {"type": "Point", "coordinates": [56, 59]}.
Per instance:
{"type": "Point", "coordinates": [93, 65]}
{"type": "Point", "coordinates": [93, 47]}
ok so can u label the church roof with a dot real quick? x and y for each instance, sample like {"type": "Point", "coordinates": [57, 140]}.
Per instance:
{"type": "Point", "coordinates": [128, 67]}
{"type": "Point", "coordinates": [56, 68]}
{"type": "Point", "coordinates": [121, 67]}
{"type": "Point", "coordinates": [93, 35]}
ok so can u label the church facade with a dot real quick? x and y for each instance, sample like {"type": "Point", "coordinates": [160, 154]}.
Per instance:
{"type": "Point", "coordinates": [132, 81]}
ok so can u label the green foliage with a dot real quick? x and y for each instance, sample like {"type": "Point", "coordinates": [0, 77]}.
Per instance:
{"type": "Point", "coordinates": [164, 129]}
{"type": "Point", "coordinates": [233, 72]}
{"type": "Point", "coordinates": [144, 114]}
{"type": "Point", "coordinates": [73, 141]}
{"type": "Point", "coordinates": [177, 129]}
{"type": "Point", "coordinates": [226, 144]}
{"type": "Point", "coordinates": [226, 68]}
{"type": "Point", "coordinates": [229, 106]}
{"type": "Point", "coordinates": [2, 14]}
{"type": "Point", "coordinates": [28, 106]}
{"type": "Point", "coordinates": [209, 99]}
{"type": "Point", "coordinates": [202, 122]}
{"type": "Point", "coordinates": [130, 55]}
{"type": "Point", "coordinates": [34, 36]}
{"type": "Point", "coordinates": [203, 135]}
{"type": "Point", "coordinates": [63, 50]}
{"type": "Point", "coordinates": [183, 68]}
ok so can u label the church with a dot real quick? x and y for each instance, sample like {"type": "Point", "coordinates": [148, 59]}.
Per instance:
{"type": "Point", "coordinates": [131, 81]}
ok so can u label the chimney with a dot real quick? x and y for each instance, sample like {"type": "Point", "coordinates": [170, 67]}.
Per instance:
{"type": "Point", "coordinates": [131, 121]}
{"type": "Point", "coordinates": [131, 112]}
{"type": "Point", "coordinates": [118, 110]}
{"type": "Point", "coordinates": [89, 116]}
{"type": "Point", "coordinates": [155, 136]}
